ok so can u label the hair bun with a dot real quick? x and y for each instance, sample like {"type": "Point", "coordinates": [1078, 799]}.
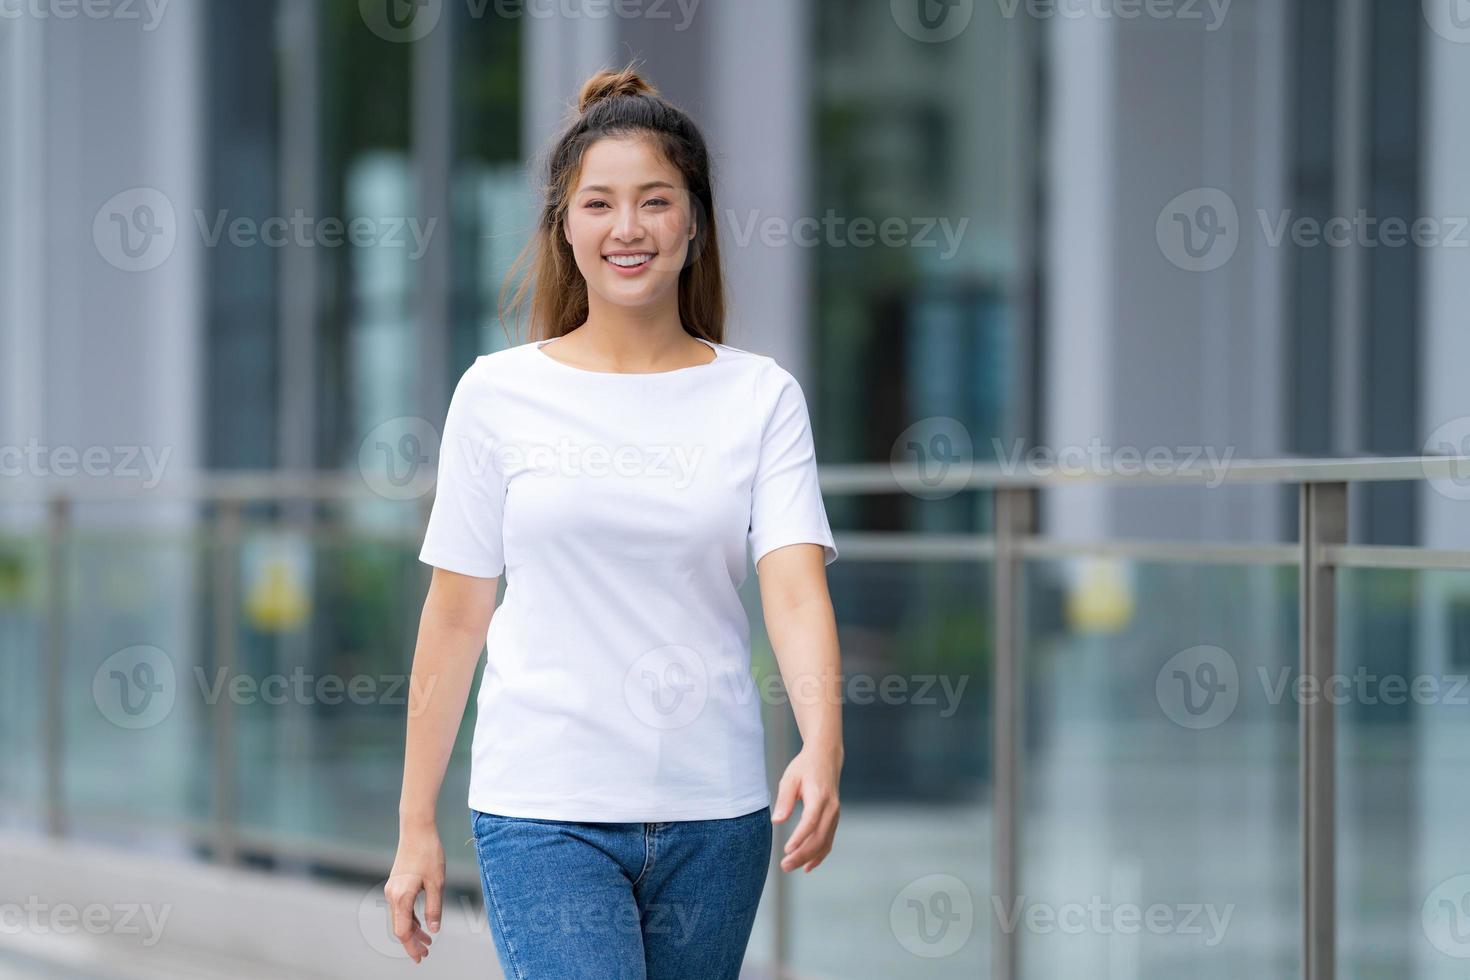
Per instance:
{"type": "Point", "coordinates": [608, 84]}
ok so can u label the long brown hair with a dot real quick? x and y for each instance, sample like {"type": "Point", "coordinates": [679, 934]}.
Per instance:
{"type": "Point", "coordinates": [617, 104]}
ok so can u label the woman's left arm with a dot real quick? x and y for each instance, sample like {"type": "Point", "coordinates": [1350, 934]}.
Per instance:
{"type": "Point", "coordinates": [803, 632]}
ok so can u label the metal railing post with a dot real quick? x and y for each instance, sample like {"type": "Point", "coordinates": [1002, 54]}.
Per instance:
{"type": "Point", "coordinates": [53, 734]}
{"type": "Point", "coordinates": [222, 713]}
{"type": "Point", "coordinates": [1324, 516]}
{"type": "Point", "coordinates": [1015, 518]}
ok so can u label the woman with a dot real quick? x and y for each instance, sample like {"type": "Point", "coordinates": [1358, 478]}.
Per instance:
{"type": "Point", "coordinates": [617, 467]}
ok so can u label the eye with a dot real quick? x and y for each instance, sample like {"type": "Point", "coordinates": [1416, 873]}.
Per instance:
{"type": "Point", "coordinates": [593, 204]}
{"type": "Point", "coordinates": [658, 200]}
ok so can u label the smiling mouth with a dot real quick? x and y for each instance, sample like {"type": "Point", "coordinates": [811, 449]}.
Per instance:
{"type": "Point", "coordinates": [629, 261]}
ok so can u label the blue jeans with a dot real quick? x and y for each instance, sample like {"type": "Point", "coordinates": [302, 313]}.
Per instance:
{"type": "Point", "coordinates": [622, 901]}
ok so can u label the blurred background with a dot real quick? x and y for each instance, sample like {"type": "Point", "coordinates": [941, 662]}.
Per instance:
{"type": "Point", "coordinates": [246, 250]}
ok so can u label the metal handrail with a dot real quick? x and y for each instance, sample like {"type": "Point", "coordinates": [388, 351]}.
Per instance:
{"type": "Point", "coordinates": [835, 478]}
{"type": "Point", "coordinates": [1323, 548]}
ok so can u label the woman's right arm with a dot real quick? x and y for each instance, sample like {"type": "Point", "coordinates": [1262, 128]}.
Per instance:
{"type": "Point", "coordinates": [452, 631]}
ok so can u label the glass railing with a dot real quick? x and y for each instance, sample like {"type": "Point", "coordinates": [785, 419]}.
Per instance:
{"type": "Point", "coordinates": [1064, 758]}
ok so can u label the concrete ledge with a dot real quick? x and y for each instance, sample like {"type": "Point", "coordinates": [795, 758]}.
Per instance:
{"type": "Point", "coordinates": [119, 915]}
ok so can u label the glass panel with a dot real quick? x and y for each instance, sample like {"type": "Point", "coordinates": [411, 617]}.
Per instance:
{"type": "Point", "coordinates": [369, 354]}
{"type": "Point", "coordinates": [1403, 713]}
{"type": "Point", "coordinates": [328, 626]}
{"type": "Point", "coordinates": [914, 839]}
{"type": "Point", "coordinates": [921, 154]}
{"type": "Point", "coordinates": [1160, 807]}
{"type": "Point", "coordinates": [493, 209]}
{"type": "Point", "coordinates": [136, 733]}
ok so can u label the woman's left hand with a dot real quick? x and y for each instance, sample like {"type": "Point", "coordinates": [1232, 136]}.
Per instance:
{"type": "Point", "coordinates": [812, 778]}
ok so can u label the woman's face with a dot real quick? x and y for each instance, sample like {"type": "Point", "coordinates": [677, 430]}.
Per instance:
{"type": "Point", "coordinates": [629, 204]}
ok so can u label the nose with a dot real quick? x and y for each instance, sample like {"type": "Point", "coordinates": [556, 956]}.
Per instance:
{"type": "Point", "coordinates": [628, 227]}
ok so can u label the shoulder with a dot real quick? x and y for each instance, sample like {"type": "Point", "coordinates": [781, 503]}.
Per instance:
{"type": "Point", "coordinates": [508, 359]}
{"type": "Point", "coordinates": [764, 370]}
{"type": "Point", "coordinates": [777, 399]}
{"type": "Point", "coordinates": [487, 370]}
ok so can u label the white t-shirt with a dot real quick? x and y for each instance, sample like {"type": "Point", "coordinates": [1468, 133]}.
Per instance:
{"type": "Point", "coordinates": [619, 507]}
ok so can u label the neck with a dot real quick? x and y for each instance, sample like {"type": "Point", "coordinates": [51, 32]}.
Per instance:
{"type": "Point", "coordinates": [632, 336]}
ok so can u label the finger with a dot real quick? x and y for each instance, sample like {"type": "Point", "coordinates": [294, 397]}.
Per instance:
{"type": "Point", "coordinates": [815, 850]}
{"type": "Point", "coordinates": [417, 945]}
{"type": "Point", "coordinates": [433, 904]}
{"type": "Point", "coordinates": [818, 842]}
{"type": "Point", "coordinates": [816, 846]}
{"type": "Point", "coordinates": [400, 906]}
{"type": "Point", "coordinates": [785, 800]}
{"type": "Point", "coordinates": [813, 812]}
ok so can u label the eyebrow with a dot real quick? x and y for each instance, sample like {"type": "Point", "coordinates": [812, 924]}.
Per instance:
{"type": "Point", "coordinates": [603, 189]}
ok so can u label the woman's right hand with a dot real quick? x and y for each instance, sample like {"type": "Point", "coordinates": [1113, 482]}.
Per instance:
{"type": "Point", "coordinates": [418, 867]}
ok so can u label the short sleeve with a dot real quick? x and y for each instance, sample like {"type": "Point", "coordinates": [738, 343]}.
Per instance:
{"type": "Point", "coordinates": [464, 533]}
{"type": "Point", "coordinates": [786, 502]}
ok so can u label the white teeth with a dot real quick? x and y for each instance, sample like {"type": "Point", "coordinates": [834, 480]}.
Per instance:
{"type": "Point", "coordinates": [629, 261]}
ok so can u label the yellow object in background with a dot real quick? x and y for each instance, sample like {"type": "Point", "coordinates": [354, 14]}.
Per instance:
{"type": "Point", "coordinates": [276, 597]}
{"type": "Point", "coordinates": [1100, 599]}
